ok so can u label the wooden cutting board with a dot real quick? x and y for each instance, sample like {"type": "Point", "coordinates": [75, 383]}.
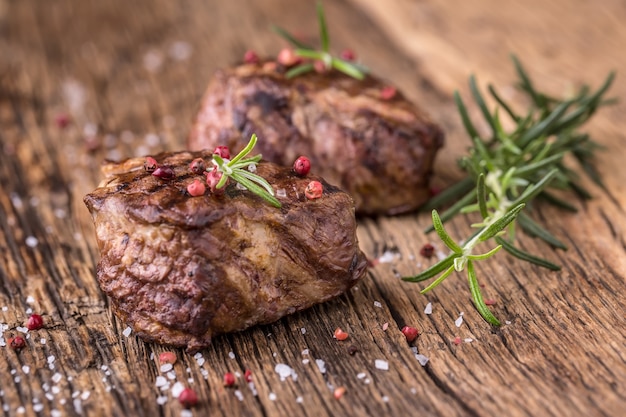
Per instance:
{"type": "Point", "coordinates": [129, 76]}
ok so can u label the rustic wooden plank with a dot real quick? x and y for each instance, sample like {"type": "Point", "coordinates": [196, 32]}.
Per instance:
{"type": "Point", "coordinates": [120, 70]}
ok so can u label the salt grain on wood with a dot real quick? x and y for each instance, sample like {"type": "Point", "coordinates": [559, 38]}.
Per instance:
{"type": "Point", "coordinates": [459, 321]}
{"type": "Point", "coordinates": [321, 365]}
{"type": "Point", "coordinates": [422, 359]}
{"type": "Point", "coordinates": [381, 364]}
{"type": "Point", "coordinates": [429, 308]}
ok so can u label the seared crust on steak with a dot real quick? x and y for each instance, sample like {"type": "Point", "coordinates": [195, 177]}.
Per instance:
{"type": "Point", "coordinates": [379, 150]}
{"type": "Point", "coordinates": [181, 269]}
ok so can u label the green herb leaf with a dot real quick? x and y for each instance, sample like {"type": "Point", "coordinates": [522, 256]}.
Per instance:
{"type": "Point", "coordinates": [443, 235]}
{"type": "Point", "coordinates": [479, 302]}
{"type": "Point", "coordinates": [308, 52]}
{"type": "Point", "coordinates": [499, 225]}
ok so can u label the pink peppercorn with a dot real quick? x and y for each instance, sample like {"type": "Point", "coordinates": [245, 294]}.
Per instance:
{"type": "Point", "coordinates": [164, 172]}
{"type": "Point", "coordinates": [457, 340]}
{"type": "Point", "coordinates": [340, 334]}
{"type": "Point", "coordinates": [150, 164]}
{"type": "Point", "coordinates": [197, 166]}
{"type": "Point", "coordinates": [167, 357]}
{"type": "Point", "coordinates": [196, 188]}
{"type": "Point", "coordinates": [35, 322]}
{"type": "Point", "coordinates": [247, 375]}
{"type": "Point", "coordinates": [339, 392]}
{"type": "Point", "coordinates": [222, 151]}
{"type": "Point", "coordinates": [188, 398]}
{"type": "Point", "coordinates": [427, 250]}
{"type": "Point", "coordinates": [302, 166]}
{"type": "Point", "coordinates": [17, 343]}
{"type": "Point", "coordinates": [229, 379]}
{"type": "Point", "coordinates": [410, 333]}
{"type": "Point", "coordinates": [212, 179]}
{"type": "Point", "coordinates": [320, 67]}
{"type": "Point", "coordinates": [388, 92]}
{"type": "Point", "coordinates": [287, 57]}
{"type": "Point", "coordinates": [313, 190]}
{"type": "Point", "coordinates": [62, 120]}
{"type": "Point", "coordinates": [250, 57]}
{"type": "Point", "coordinates": [347, 55]}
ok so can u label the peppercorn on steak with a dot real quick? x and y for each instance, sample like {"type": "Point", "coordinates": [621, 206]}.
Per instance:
{"type": "Point", "coordinates": [180, 268]}
{"type": "Point", "coordinates": [363, 136]}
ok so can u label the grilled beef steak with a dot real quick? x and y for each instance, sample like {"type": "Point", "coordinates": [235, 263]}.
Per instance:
{"type": "Point", "coordinates": [371, 142]}
{"type": "Point", "coordinates": [181, 269]}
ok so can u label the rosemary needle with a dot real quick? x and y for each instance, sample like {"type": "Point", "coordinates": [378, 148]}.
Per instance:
{"type": "Point", "coordinates": [508, 170]}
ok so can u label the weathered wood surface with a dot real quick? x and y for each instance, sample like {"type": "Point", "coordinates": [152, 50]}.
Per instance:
{"type": "Point", "coordinates": [130, 74]}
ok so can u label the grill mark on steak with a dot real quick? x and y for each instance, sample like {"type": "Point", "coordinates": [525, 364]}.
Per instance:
{"type": "Point", "coordinates": [180, 269]}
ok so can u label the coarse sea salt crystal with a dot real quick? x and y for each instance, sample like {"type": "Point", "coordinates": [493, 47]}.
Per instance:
{"type": "Point", "coordinates": [186, 413]}
{"type": "Point", "coordinates": [56, 377]}
{"type": "Point", "coordinates": [388, 257]}
{"type": "Point", "coordinates": [180, 51]}
{"type": "Point", "coordinates": [160, 381]}
{"type": "Point", "coordinates": [30, 299]}
{"type": "Point", "coordinates": [26, 369]}
{"type": "Point", "coordinates": [37, 407]}
{"type": "Point", "coordinates": [321, 365]}
{"type": "Point", "coordinates": [305, 352]}
{"type": "Point", "coordinates": [22, 329]}
{"type": "Point", "coordinates": [127, 331]}
{"type": "Point", "coordinates": [55, 413]}
{"type": "Point", "coordinates": [285, 371]}
{"type": "Point", "coordinates": [459, 320]}
{"type": "Point", "coordinates": [171, 375]}
{"type": "Point", "coordinates": [161, 399]}
{"type": "Point", "coordinates": [385, 399]}
{"type": "Point", "coordinates": [305, 361]}
{"type": "Point", "coordinates": [31, 241]}
{"type": "Point", "coordinates": [468, 340]}
{"type": "Point", "coordinates": [239, 395]}
{"type": "Point", "coordinates": [20, 410]}
{"type": "Point", "coordinates": [303, 330]}
{"type": "Point", "coordinates": [42, 341]}
{"type": "Point", "coordinates": [177, 389]}
{"type": "Point", "coordinates": [381, 364]}
{"type": "Point", "coordinates": [166, 367]}
{"type": "Point", "coordinates": [422, 359]}
{"type": "Point", "coordinates": [281, 193]}
{"type": "Point", "coordinates": [85, 395]}
{"type": "Point", "coordinates": [429, 308]}
{"type": "Point", "coordinates": [272, 396]}
{"type": "Point", "coordinates": [231, 355]}
{"type": "Point", "coordinates": [361, 375]}
{"type": "Point", "coordinates": [378, 304]}
{"type": "Point", "coordinates": [51, 359]}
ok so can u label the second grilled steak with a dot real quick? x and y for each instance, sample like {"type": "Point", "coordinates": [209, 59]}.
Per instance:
{"type": "Point", "coordinates": [379, 149]}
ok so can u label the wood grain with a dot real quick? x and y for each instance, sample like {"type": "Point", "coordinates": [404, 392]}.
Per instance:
{"type": "Point", "coordinates": [130, 76]}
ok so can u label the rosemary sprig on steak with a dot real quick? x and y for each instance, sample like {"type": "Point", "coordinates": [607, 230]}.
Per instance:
{"type": "Point", "coordinates": [241, 169]}
{"type": "Point", "coordinates": [508, 170]}
{"type": "Point", "coordinates": [322, 57]}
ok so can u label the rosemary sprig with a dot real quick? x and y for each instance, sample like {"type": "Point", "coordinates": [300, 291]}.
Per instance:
{"type": "Point", "coordinates": [508, 170]}
{"type": "Point", "coordinates": [323, 55]}
{"type": "Point", "coordinates": [239, 169]}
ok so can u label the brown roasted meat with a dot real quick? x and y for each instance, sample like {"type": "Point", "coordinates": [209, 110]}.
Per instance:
{"type": "Point", "coordinates": [367, 139]}
{"type": "Point", "coordinates": [181, 269]}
